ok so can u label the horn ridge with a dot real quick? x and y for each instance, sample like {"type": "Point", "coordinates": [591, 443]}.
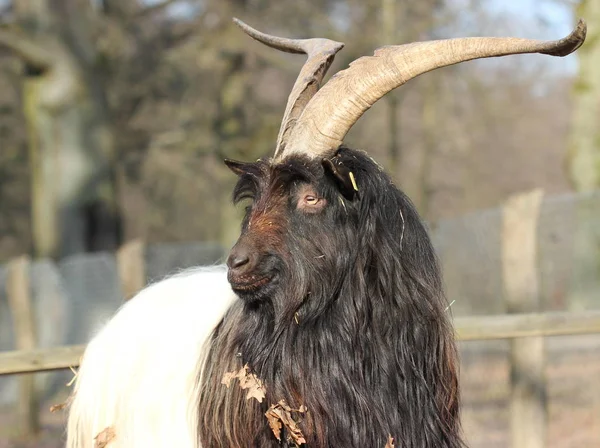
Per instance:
{"type": "Point", "coordinates": [320, 54]}
{"type": "Point", "coordinates": [335, 108]}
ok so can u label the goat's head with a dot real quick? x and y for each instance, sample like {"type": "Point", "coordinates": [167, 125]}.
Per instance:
{"type": "Point", "coordinates": [305, 222]}
{"type": "Point", "coordinates": [286, 196]}
{"type": "Point", "coordinates": [301, 195]}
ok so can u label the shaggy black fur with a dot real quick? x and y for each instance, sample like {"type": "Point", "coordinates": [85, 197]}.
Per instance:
{"type": "Point", "coordinates": [352, 323]}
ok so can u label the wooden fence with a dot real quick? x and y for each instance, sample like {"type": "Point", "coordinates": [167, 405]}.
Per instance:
{"type": "Point", "coordinates": [518, 327]}
{"type": "Point", "coordinates": [467, 328]}
{"type": "Point", "coordinates": [130, 263]}
{"type": "Point", "coordinates": [525, 325]}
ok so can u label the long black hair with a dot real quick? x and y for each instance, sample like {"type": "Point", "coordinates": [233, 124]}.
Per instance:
{"type": "Point", "coordinates": [345, 317]}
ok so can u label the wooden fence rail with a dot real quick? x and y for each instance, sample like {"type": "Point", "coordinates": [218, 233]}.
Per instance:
{"type": "Point", "coordinates": [40, 360]}
{"type": "Point", "coordinates": [513, 326]}
{"type": "Point", "coordinates": [508, 326]}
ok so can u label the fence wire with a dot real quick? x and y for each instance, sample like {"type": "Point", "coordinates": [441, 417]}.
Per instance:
{"type": "Point", "coordinates": [76, 296]}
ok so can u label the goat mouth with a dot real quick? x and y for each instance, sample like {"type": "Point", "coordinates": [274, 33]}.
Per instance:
{"type": "Point", "coordinates": [249, 286]}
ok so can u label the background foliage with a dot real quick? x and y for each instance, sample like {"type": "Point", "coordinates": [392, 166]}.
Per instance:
{"type": "Point", "coordinates": [133, 104]}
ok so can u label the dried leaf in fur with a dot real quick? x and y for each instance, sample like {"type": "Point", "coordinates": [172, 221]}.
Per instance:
{"type": "Point", "coordinates": [390, 442]}
{"type": "Point", "coordinates": [256, 390]}
{"type": "Point", "coordinates": [279, 415]}
{"type": "Point", "coordinates": [250, 381]}
{"type": "Point", "coordinates": [255, 387]}
{"type": "Point", "coordinates": [58, 407]}
{"type": "Point", "coordinates": [106, 436]}
{"type": "Point", "coordinates": [227, 377]}
{"type": "Point", "coordinates": [274, 422]}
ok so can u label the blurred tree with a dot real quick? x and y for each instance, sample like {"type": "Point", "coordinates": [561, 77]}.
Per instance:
{"type": "Point", "coordinates": [390, 9]}
{"type": "Point", "coordinates": [80, 60]}
{"type": "Point", "coordinates": [68, 123]}
{"type": "Point", "coordinates": [583, 159]}
{"type": "Point", "coordinates": [407, 22]}
{"type": "Point", "coordinates": [166, 90]}
{"type": "Point", "coordinates": [14, 192]}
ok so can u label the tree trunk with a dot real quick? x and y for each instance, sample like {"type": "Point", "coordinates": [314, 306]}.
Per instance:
{"type": "Point", "coordinates": [73, 198]}
{"type": "Point", "coordinates": [430, 125]}
{"type": "Point", "coordinates": [389, 22]}
{"type": "Point", "coordinates": [73, 204]}
{"type": "Point", "coordinates": [583, 159]}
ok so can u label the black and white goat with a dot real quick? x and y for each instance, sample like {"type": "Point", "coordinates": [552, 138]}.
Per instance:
{"type": "Point", "coordinates": [333, 308]}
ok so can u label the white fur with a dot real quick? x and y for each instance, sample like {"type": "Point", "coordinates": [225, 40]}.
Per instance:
{"type": "Point", "coordinates": [138, 375]}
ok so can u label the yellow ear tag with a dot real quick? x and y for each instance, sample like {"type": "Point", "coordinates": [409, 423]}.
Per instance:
{"type": "Point", "coordinates": [353, 181]}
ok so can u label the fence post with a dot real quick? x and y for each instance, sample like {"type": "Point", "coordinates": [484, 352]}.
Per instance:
{"type": "Point", "coordinates": [522, 295]}
{"type": "Point", "coordinates": [19, 300]}
{"type": "Point", "coordinates": [132, 269]}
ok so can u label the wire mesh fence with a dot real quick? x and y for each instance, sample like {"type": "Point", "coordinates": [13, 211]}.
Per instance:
{"type": "Point", "coordinates": [74, 297]}
{"type": "Point", "coordinates": [568, 273]}
{"type": "Point", "coordinates": [568, 242]}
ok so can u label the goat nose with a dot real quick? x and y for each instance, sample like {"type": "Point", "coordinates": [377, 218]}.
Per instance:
{"type": "Point", "coordinates": [238, 258]}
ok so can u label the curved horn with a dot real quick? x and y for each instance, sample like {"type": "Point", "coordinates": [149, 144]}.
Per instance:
{"type": "Point", "coordinates": [320, 56]}
{"type": "Point", "coordinates": [342, 101]}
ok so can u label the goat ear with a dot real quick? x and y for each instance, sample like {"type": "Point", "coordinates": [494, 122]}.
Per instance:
{"type": "Point", "coordinates": [238, 168]}
{"type": "Point", "coordinates": [342, 176]}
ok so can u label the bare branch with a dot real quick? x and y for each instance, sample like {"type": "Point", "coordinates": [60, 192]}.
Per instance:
{"type": "Point", "coordinates": [25, 48]}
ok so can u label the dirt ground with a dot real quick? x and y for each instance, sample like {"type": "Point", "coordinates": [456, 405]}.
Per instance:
{"type": "Point", "coordinates": [573, 392]}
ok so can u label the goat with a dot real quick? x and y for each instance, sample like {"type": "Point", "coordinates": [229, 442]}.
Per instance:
{"type": "Point", "coordinates": [339, 324]}
{"type": "Point", "coordinates": [137, 376]}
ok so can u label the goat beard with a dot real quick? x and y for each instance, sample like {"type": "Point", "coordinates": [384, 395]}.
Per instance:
{"type": "Point", "coordinates": [314, 341]}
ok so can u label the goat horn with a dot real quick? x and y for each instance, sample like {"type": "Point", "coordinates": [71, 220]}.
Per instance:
{"type": "Point", "coordinates": [342, 101]}
{"type": "Point", "coordinates": [320, 54]}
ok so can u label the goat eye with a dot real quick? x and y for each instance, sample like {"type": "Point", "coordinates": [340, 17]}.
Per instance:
{"type": "Point", "coordinates": [309, 201]}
